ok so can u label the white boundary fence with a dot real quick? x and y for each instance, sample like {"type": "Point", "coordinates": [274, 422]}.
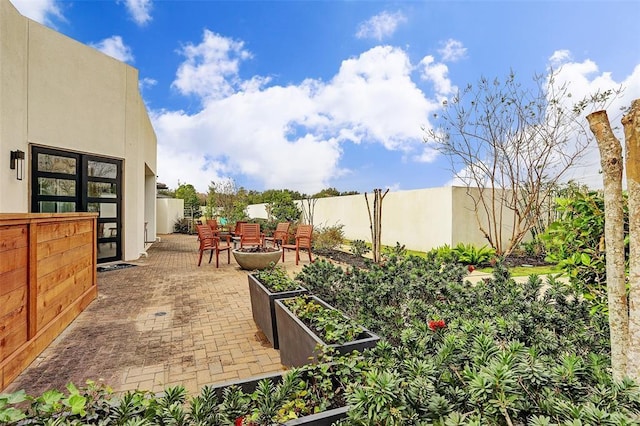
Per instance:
{"type": "Point", "coordinates": [420, 219]}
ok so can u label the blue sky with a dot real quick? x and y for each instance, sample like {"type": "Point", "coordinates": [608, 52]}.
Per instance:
{"type": "Point", "coordinates": [310, 94]}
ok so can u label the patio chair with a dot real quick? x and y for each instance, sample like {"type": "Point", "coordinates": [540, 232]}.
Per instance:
{"type": "Point", "coordinates": [251, 235]}
{"type": "Point", "coordinates": [280, 235]}
{"type": "Point", "coordinates": [303, 240]}
{"type": "Point", "coordinates": [237, 232]}
{"type": "Point", "coordinates": [208, 241]}
{"type": "Point", "coordinates": [213, 224]}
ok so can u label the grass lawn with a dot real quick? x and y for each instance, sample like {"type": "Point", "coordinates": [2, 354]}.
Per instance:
{"type": "Point", "coordinates": [523, 271]}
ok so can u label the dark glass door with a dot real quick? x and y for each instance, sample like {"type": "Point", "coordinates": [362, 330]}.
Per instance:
{"type": "Point", "coordinates": [65, 181]}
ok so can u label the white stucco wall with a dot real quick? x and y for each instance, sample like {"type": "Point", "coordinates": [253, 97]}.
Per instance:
{"type": "Point", "coordinates": [169, 210]}
{"type": "Point", "coordinates": [420, 219]}
{"type": "Point", "coordinates": [56, 92]}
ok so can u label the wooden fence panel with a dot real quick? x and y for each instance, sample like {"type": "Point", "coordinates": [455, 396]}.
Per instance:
{"type": "Point", "coordinates": [47, 277]}
{"type": "Point", "coordinates": [13, 288]}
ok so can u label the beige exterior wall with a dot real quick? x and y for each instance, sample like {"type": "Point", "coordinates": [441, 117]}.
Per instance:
{"type": "Point", "coordinates": [465, 226]}
{"type": "Point", "coordinates": [13, 106]}
{"type": "Point", "coordinates": [59, 93]}
{"type": "Point", "coordinates": [420, 219]}
{"type": "Point", "coordinates": [169, 210]}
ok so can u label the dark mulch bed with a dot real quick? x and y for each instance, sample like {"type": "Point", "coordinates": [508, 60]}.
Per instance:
{"type": "Point", "coordinates": [515, 260]}
{"type": "Point", "coordinates": [343, 257]}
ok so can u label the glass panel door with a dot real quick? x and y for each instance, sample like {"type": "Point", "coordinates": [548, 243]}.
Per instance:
{"type": "Point", "coordinates": [55, 182]}
{"type": "Point", "coordinates": [103, 194]}
{"type": "Point", "coordinates": [71, 182]}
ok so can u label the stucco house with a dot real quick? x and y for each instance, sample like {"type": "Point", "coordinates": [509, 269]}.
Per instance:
{"type": "Point", "coordinates": [75, 135]}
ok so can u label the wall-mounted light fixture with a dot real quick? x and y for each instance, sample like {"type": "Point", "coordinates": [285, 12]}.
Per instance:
{"type": "Point", "coordinates": [17, 163]}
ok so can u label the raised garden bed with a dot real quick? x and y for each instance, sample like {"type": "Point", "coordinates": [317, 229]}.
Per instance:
{"type": "Point", "coordinates": [263, 307]}
{"type": "Point", "coordinates": [248, 386]}
{"type": "Point", "coordinates": [298, 342]}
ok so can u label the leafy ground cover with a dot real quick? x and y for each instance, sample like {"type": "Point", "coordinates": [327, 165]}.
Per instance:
{"type": "Point", "coordinates": [493, 353]}
{"type": "Point", "coordinates": [519, 265]}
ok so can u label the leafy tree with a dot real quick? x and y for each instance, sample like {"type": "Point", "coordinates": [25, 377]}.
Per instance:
{"type": "Point", "coordinates": [332, 192]}
{"type": "Point", "coordinates": [226, 200]}
{"type": "Point", "coordinates": [281, 206]}
{"type": "Point", "coordinates": [188, 193]}
{"type": "Point", "coordinates": [510, 146]}
{"type": "Point", "coordinates": [251, 196]}
{"type": "Point", "coordinates": [327, 192]}
{"type": "Point", "coordinates": [272, 195]}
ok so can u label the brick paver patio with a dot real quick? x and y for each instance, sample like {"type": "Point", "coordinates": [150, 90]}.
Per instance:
{"type": "Point", "coordinates": [164, 322]}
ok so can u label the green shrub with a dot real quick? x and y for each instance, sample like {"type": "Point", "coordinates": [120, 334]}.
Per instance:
{"type": "Point", "coordinates": [443, 254]}
{"type": "Point", "coordinates": [493, 353]}
{"type": "Point", "coordinates": [359, 248]}
{"type": "Point", "coordinates": [276, 279]}
{"type": "Point", "coordinates": [576, 243]}
{"type": "Point", "coordinates": [330, 324]}
{"type": "Point", "coordinates": [266, 226]}
{"type": "Point", "coordinates": [497, 352]}
{"type": "Point", "coordinates": [328, 237]}
{"type": "Point", "coordinates": [183, 226]}
{"type": "Point", "coordinates": [534, 247]}
{"type": "Point", "coordinates": [472, 255]}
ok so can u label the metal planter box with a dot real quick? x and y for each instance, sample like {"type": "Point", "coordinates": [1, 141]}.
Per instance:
{"type": "Point", "coordinates": [298, 342]}
{"type": "Point", "coordinates": [263, 307]}
{"type": "Point", "coordinates": [325, 418]}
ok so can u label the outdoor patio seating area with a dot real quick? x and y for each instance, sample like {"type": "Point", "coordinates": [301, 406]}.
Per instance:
{"type": "Point", "coordinates": [164, 322]}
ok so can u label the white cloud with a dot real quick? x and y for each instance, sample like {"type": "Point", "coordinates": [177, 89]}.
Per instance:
{"type": "Point", "coordinates": [210, 70]}
{"type": "Point", "coordinates": [375, 97]}
{"type": "Point", "coordinates": [428, 155]}
{"type": "Point", "coordinates": [147, 82]}
{"type": "Point", "coordinates": [285, 136]}
{"type": "Point", "coordinates": [115, 47]}
{"type": "Point", "coordinates": [380, 26]}
{"type": "Point", "coordinates": [559, 57]}
{"type": "Point", "coordinates": [437, 74]}
{"type": "Point", "coordinates": [140, 10]}
{"type": "Point", "coordinates": [583, 80]}
{"type": "Point", "coordinates": [41, 11]}
{"type": "Point", "coordinates": [453, 51]}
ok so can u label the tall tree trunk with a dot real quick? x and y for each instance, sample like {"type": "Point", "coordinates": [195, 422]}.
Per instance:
{"type": "Point", "coordinates": [631, 123]}
{"type": "Point", "coordinates": [611, 162]}
{"type": "Point", "coordinates": [375, 222]}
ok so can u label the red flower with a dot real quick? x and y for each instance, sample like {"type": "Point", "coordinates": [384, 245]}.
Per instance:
{"type": "Point", "coordinates": [436, 325]}
{"type": "Point", "coordinates": [471, 268]}
{"type": "Point", "coordinates": [239, 421]}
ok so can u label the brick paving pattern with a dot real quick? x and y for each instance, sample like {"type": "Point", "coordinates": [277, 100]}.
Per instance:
{"type": "Point", "coordinates": [163, 323]}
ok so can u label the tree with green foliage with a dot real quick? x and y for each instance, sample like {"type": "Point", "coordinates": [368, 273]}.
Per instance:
{"type": "Point", "coordinates": [227, 201]}
{"type": "Point", "coordinates": [332, 192]}
{"type": "Point", "coordinates": [188, 193]}
{"type": "Point", "coordinates": [271, 195]}
{"type": "Point", "coordinates": [281, 206]}
{"type": "Point", "coordinates": [327, 192]}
